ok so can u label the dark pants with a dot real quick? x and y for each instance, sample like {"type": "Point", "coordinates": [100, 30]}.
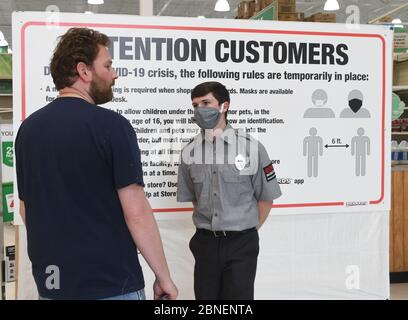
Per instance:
{"type": "Point", "coordinates": [225, 266]}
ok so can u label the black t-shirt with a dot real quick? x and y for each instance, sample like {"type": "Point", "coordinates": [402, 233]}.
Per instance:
{"type": "Point", "coordinates": [71, 157]}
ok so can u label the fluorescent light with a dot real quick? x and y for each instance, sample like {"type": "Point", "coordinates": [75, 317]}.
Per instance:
{"type": "Point", "coordinates": [201, 17]}
{"type": "Point", "coordinates": [3, 41]}
{"type": "Point", "coordinates": [397, 23]}
{"type": "Point", "coordinates": [331, 5]}
{"type": "Point", "coordinates": [95, 1]}
{"type": "Point", "coordinates": [222, 5]}
{"type": "Point", "coordinates": [88, 12]}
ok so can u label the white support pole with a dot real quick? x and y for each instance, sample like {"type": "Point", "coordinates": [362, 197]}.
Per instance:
{"type": "Point", "coordinates": [146, 7]}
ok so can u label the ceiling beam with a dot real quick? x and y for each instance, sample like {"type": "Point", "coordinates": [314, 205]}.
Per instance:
{"type": "Point", "coordinates": [388, 13]}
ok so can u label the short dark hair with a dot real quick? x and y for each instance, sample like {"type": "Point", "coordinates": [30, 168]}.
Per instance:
{"type": "Point", "coordinates": [218, 90]}
{"type": "Point", "coordinates": [76, 45]}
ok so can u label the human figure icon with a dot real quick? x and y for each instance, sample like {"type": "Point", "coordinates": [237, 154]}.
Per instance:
{"type": "Point", "coordinates": [355, 110]}
{"type": "Point", "coordinates": [319, 98]}
{"type": "Point", "coordinates": [360, 148]}
{"type": "Point", "coordinates": [312, 148]}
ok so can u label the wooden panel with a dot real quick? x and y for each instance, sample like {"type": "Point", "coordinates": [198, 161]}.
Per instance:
{"type": "Point", "coordinates": [397, 222]}
{"type": "Point", "coordinates": [405, 221]}
{"type": "Point", "coordinates": [400, 73]}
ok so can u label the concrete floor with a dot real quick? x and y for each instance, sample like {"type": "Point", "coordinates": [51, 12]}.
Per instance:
{"type": "Point", "coordinates": [399, 291]}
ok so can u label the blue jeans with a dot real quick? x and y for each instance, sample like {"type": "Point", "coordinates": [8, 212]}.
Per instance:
{"type": "Point", "coordinates": [136, 295]}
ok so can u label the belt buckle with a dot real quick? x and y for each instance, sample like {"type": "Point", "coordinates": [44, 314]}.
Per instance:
{"type": "Point", "coordinates": [219, 233]}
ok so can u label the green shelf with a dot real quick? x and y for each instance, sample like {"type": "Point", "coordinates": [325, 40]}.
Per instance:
{"type": "Point", "coordinates": [6, 63]}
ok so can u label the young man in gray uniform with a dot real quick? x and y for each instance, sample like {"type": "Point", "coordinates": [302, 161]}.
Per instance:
{"type": "Point", "coordinates": [230, 179]}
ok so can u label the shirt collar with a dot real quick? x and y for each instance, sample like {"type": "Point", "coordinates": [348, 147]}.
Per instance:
{"type": "Point", "coordinates": [224, 136]}
{"type": "Point", "coordinates": [226, 133]}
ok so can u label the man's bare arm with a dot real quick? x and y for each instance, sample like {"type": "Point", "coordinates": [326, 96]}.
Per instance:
{"type": "Point", "coordinates": [143, 228]}
{"type": "Point", "coordinates": [264, 209]}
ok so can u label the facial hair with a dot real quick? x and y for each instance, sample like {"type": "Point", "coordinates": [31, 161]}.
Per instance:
{"type": "Point", "coordinates": [100, 91]}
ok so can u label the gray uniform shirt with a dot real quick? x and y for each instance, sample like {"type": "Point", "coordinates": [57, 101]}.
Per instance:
{"type": "Point", "coordinates": [226, 177]}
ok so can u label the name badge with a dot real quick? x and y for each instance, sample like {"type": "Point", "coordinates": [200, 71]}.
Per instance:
{"type": "Point", "coordinates": [240, 162]}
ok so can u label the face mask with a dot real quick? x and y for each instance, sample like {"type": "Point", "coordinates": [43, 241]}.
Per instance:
{"type": "Point", "coordinates": [355, 104]}
{"type": "Point", "coordinates": [206, 117]}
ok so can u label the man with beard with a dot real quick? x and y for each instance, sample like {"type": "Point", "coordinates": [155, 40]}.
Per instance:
{"type": "Point", "coordinates": [80, 183]}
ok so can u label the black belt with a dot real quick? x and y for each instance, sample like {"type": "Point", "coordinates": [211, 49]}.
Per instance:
{"type": "Point", "coordinates": [221, 233]}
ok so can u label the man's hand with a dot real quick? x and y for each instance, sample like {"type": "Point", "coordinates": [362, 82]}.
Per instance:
{"type": "Point", "coordinates": [264, 209]}
{"type": "Point", "coordinates": [164, 289]}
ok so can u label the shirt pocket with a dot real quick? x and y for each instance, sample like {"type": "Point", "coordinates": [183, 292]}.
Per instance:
{"type": "Point", "coordinates": [197, 173]}
{"type": "Point", "coordinates": [231, 175]}
{"type": "Point", "coordinates": [236, 186]}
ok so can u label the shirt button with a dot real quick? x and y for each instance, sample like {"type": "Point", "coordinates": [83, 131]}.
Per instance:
{"type": "Point", "coordinates": [216, 214]}
{"type": "Point", "coordinates": [215, 194]}
{"type": "Point", "coordinates": [214, 172]}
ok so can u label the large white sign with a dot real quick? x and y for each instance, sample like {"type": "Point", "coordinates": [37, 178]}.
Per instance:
{"type": "Point", "coordinates": [318, 100]}
{"type": "Point", "coordinates": [316, 95]}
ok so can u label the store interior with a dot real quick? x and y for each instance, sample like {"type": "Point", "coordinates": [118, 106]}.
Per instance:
{"type": "Point", "coordinates": [388, 12]}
